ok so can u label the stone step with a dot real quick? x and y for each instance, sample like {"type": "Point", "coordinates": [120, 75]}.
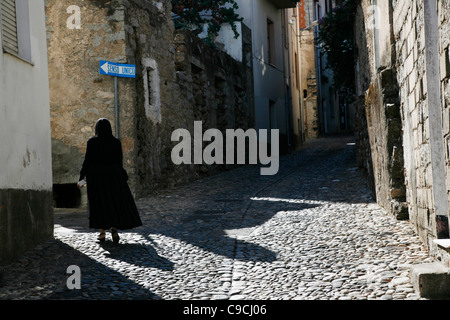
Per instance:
{"type": "Point", "coordinates": [431, 280]}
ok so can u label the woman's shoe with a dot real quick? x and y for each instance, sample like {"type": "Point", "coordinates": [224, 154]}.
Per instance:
{"type": "Point", "coordinates": [102, 237]}
{"type": "Point", "coordinates": [115, 236]}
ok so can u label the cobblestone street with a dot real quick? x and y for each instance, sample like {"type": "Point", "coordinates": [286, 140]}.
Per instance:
{"type": "Point", "coordinates": [311, 232]}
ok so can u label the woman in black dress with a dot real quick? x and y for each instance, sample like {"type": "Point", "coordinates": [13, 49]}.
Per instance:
{"type": "Point", "coordinates": [110, 202]}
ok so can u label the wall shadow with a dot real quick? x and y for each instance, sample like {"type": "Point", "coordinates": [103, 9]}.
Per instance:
{"type": "Point", "coordinates": [42, 274]}
{"type": "Point", "coordinates": [201, 213]}
{"type": "Point", "coordinates": [207, 228]}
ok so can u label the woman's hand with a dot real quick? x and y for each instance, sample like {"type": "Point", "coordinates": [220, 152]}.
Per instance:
{"type": "Point", "coordinates": [81, 184]}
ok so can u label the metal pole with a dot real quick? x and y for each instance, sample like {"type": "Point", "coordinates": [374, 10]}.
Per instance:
{"type": "Point", "coordinates": [116, 106]}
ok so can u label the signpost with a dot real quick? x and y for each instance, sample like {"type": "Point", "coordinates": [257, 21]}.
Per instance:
{"type": "Point", "coordinates": [117, 70]}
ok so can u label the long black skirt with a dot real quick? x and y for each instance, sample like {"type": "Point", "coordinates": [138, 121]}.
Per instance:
{"type": "Point", "coordinates": [110, 202]}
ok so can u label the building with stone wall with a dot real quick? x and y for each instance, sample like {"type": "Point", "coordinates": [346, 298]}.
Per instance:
{"type": "Point", "coordinates": [377, 95]}
{"type": "Point", "coordinates": [26, 213]}
{"type": "Point", "coordinates": [179, 80]}
{"type": "Point", "coordinates": [308, 83]}
{"type": "Point", "coordinates": [402, 77]}
{"type": "Point", "coordinates": [293, 58]}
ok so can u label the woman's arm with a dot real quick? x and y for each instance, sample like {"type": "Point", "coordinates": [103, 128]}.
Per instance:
{"type": "Point", "coordinates": [87, 160]}
{"type": "Point", "coordinates": [120, 159]}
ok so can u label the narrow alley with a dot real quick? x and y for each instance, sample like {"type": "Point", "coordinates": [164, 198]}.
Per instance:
{"type": "Point", "coordinates": [311, 232]}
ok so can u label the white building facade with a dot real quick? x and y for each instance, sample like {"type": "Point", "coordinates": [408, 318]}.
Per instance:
{"type": "Point", "coordinates": [26, 214]}
{"type": "Point", "coordinates": [270, 64]}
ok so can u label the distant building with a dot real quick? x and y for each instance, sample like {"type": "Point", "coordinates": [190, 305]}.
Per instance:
{"type": "Point", "coordinates": [303, 70]}
{"type": "Point", "coordinates": [291, 43]}
{"type": "Point", "coordinates": [267, 20]}
{"type": "Point", "coordinates": [336, 114]}
{"type": "Point", "coordinates": [26, 214]}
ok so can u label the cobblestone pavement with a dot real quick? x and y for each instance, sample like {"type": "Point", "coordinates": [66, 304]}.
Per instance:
{"type": "Point", "coordinates": [310, 232]}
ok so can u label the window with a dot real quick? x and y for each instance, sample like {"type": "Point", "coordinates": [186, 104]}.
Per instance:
{"type": "Point", "coordinates": [152, 98]}
{"type": "Point", "coordinates": [15, 27]}
{"type": "Point", "coordinates": [328, 5]}
{"type": "Point", "coordinates": [318, 12]}
{"type": "Point", "coordinates": [270, 41]}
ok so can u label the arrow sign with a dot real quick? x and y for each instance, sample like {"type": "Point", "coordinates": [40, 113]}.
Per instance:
{"type": "Point", "coordinates": [117, 69]}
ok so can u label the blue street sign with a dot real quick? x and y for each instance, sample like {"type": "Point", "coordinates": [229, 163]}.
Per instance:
{"type": "Point", "coordinates": [117, 69]}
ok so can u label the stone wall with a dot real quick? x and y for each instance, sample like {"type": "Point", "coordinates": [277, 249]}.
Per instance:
{"type": "Point", "coordinates": [402, 74]}
{"type": "Point", "coordinates": [219, 87]}
{"type": "Point", "coordinates": [411, 57]}
{"type": "Point", "coordinates": [157, 107]}
{"type": "Point", "coordinates": [179, 80]}
{"type": "Point", "coordinates": [416, 31]}
{"type": "Point", "coordinates": [444, 57]}
{"type": "Point", "coordinates": [309, 85]}
{"type": "Point", "coordinates": [79, 95]}
{"type": "Point", "coordinates": [379, 134]}
{"type": "Point", "coordinates": [196, 83]}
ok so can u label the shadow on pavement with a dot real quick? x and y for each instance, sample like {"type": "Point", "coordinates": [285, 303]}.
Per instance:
{"type": "Point", "coordinates": [221, 231]}
{"type": "Point", "coordinates": [42, 274]}
{"type": "Point", "coordinates": [202, 213]}
{"type": "Point", "coordinates": [138, 255]}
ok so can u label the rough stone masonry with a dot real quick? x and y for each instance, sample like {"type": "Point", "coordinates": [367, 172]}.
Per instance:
{"type": "Point", "coordinates": [179, 80]}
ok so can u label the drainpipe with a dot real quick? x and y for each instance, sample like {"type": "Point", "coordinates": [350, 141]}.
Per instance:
{"type": "Point", "coordinates": [116, 106]}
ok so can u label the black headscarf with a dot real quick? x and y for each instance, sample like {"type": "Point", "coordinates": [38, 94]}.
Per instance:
{"type": "Point", "coordinates": [103, 128]}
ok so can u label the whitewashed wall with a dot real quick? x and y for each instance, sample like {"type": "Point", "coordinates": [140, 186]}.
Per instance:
{"type": "Point", "coordinates": [25, 156]}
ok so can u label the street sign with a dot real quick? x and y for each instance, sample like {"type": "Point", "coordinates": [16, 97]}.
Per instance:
{"type": "Point", "coordinates": [117, 69]}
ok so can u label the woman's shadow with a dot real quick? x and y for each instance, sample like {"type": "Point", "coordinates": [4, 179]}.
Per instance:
{"type": "Point", "coordinates": [141, 255]}
{"type": "Point", "coordinates": [138, 254]}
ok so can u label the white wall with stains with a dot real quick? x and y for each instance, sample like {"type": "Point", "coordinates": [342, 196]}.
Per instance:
{"type": "Point", "coordinates": [25, 145]}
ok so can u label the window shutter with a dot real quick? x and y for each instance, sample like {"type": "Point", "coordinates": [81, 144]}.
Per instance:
{"type": "Point", "coordinates": [9, 26]}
